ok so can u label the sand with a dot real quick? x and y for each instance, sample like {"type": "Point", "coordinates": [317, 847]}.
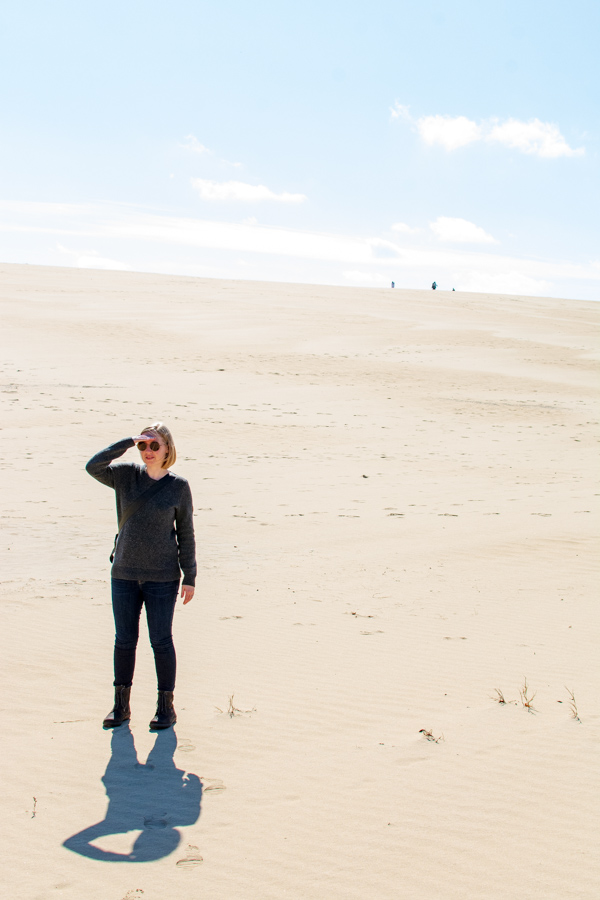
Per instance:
{"type": "Point", "coordinates": [396, 515]}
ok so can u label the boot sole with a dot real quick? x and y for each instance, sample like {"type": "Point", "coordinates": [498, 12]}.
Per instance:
{"type": "Point", "coordinates": [107, 725]}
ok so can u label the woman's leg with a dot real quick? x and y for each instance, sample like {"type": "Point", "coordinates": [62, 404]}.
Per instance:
{"type": "Point", "coordinates": [160, 598]}
{"type": "Point", "coordinates": [127, 606]}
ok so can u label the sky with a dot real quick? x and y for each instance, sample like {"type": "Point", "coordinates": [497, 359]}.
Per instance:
{"type": "Point", "coordinates": [332, 142]}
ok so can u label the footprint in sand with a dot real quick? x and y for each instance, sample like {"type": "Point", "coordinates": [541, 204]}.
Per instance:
{"type": "Point", "coordinates": [191, 860]}
{"type": "Point", "coordinates": [215, 785]}
{"type": "Point", "coordinates": [185, 745]}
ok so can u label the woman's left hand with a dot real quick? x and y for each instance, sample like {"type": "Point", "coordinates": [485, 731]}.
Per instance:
{"type": "Point", "coordinates": [187, 592]}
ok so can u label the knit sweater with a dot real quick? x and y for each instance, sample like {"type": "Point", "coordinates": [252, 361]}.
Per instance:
{"type": "Point", "coordinates": [158, 540]}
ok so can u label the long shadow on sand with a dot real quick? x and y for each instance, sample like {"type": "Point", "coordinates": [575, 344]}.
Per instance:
{"type": "Point", "coordinates": [154, 796]}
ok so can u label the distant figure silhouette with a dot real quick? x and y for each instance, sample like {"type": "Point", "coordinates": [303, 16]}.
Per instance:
{"type": "Point", "coordinates": [393, 284]}
{"type": "Point", "coordinates": [154, 796]}
{"type": "Point", "coordinates": [433, 286]}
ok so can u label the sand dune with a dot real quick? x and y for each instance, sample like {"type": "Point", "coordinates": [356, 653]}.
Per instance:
{"type": "Point", "coordinates": [396, 516]}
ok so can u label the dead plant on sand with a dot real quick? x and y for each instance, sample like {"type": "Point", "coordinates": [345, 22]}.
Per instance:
{"type": "Point", "coordinates": [573, 705]}
{"type": "Point", "coordinates": [501, 699]}
{"type": "Point", "coordinates": [233, 710]}
{"type": "Point", "coordinates": [526, 700]}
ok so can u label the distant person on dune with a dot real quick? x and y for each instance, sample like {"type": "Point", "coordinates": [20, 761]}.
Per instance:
{"type": "Point", "coordinates": [155, 542]}
{"type": "Point", "coordinates": [434, 286]}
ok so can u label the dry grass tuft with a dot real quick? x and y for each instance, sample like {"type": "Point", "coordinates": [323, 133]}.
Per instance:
{"type": "Point", "coordinates": [526, 700]}
{"type": "Point", "coordinates": [573, 705]}
{"type": "Point", "coordinates": [429, 736]}
{"type": "Point", "coordinates": [501, 699]}
{"type": "Point", "coordinates": [233, 710]}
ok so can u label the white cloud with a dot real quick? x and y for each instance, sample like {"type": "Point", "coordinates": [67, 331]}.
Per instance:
{"type": "Point", "coordinates": [451, 133]}
{"type": "Point", "coordinates": [460, 231]}
{"type": "Point", "coordinates": [92, 260]}
{"type": "Point", "coordinates": [155, 242]}
{"type": "Point", "coordinates": [398, 111]}
{"type": "Point", "coordinates": [241, 191]}
{"type": "Point", "coordinates": [101, 262]}
{"type": "Point", "coordinates": [533, 137]}
{"type": "Point", "coordinates": [192, 144]}
{"type": "Point", "coordinates": [241, 238]}
{"type": "Point", "coordinates": [383, 249]}
{"type": "Point", "coordinates": [404, 229]}
{"type": "Point", "coordinates": [502, 283]}
{"type": "Point", "coordinates": [374, 279]}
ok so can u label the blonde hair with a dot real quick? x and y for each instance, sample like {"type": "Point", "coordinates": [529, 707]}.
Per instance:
{"type": "Point", "coordinates": [161, 430]}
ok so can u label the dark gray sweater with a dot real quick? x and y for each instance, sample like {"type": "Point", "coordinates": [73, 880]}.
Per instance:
{"type": "Point", "coordinates": [158, 540]}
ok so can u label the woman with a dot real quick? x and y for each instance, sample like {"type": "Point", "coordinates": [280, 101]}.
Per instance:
{"type": "Point", "coordinates": [155, 541]}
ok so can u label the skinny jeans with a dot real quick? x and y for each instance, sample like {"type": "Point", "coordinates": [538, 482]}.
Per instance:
{"type": "Point", "coordinates": [159, 598]}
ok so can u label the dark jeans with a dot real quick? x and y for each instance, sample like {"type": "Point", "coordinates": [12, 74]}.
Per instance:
{"type": "Point", "coordinates": [159, 598]}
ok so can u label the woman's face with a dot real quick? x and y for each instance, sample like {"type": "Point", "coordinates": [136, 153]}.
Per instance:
{"type": "Point", "coordinates": [154, 457]}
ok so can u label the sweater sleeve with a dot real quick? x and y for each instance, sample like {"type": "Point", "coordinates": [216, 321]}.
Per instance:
{"type": "Point", "coordinates": [184, 524]}
{"type": "Point", "coordinates": [99, 466]}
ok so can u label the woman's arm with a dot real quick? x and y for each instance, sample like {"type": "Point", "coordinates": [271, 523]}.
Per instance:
{"type": "Point", "coordinates": [99, 465]}
{"type": "Point", "coordinates": [184, 524]}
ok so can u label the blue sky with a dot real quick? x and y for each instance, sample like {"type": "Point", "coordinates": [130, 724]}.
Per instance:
{"type": "Point", "coordinates": [333, 142]}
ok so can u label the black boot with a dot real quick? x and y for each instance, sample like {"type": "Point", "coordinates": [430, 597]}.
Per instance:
{"type": "Point", "coordinates": [165, 714]}
{"type": "Point", "coordinates": [120, 712]}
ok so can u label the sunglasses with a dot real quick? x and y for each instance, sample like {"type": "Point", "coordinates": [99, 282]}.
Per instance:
{"type": "Point", "coordinates": [154, 445]}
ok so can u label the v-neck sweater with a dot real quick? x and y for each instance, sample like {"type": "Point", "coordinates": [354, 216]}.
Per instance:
{"type": "Point", "coordinates": [157, 542]}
